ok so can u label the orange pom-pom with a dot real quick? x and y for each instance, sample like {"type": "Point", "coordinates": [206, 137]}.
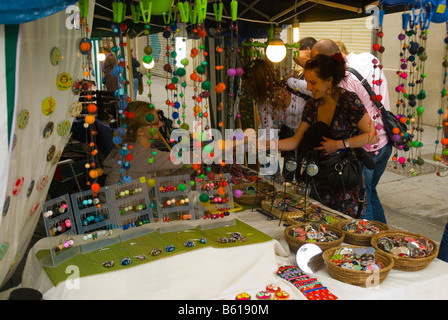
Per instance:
{"type": "Point", "coordinates": [95, 187]}
{"type": "Point", "coordinates": [91, 108]}
{"type": "Point", "coordinates": [396, 130]}
{"type": "Point", "coordinates": [89, 119]}
{"type": "Point", "coordinates": [444, 141]}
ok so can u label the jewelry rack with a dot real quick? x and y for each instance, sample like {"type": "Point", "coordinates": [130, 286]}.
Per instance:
{"type": "Point", "coordinates": [131, 208]}
{"type": "Point", "coordinates": [174, 201]}
{"type": "Point", "coordinates": [59, 222]}
{"type": "Point", "coordinates": [94, 219]}
{"type": "Point", "coordinates": [215, 208]}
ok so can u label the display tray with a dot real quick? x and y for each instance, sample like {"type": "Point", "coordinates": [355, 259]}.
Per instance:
{"type": "Point", "coordinates": [91, 263]}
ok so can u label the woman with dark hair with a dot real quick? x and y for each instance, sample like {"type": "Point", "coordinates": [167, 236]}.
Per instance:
{"type": "Point", "coordinates": [343, 122]}
{"type": "Point", "coordinates": [277, 107]}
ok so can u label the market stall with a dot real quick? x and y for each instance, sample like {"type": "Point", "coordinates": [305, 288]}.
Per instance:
{"type": "Point", "coordinates": [103, 242]}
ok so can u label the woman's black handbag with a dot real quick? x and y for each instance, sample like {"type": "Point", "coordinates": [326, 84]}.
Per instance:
{"type": "Point", "coordinates": [390, 121]}
{"type": "Point", "coordinates": [340, 171]}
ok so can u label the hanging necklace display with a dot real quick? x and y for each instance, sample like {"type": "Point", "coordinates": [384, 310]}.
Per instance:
{"type": "Point", "coordinates": [417, 50]}
{"type": "Point", "coordinates": [235, 70]}
{"type": "Point", "coordinates": [377, 80]}
{"type": "Point", "coordinates": [119, 71]}
{"type": "Point", "coordinates": [408, 74]}
{"type": "Point", "coordinates": [441, 137]}
{"type": "Point", "coordinates": [91, 165]}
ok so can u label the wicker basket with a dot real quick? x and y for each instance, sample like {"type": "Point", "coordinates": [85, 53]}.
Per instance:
{"type": "Point", "coordinates": [267, 206]}
{"type": "Point", "coordinates": [292, 216]}
{"type": "Point", "coordinates": [405, 263]}
{"type": "Point", "coordinates": [295, 244]}
{"type": "Point", "coordinates": [357, 277]}
{"type": "Point", "coordinates": [252, 199]}
{"type": "Point", "coordinates": [360, 239]}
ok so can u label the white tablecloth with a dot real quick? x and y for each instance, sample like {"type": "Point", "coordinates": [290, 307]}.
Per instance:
{"type": "Point", "coordinates": [212, 273]}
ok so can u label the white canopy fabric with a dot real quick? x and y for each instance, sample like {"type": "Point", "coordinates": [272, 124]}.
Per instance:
{"type": "Point", "coordinates": [30, 160]}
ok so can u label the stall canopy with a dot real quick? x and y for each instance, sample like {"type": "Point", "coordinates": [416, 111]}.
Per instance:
{"type": "Point", "coordinates": [252, 16]}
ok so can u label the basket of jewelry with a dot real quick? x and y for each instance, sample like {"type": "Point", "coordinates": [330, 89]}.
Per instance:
{"type": "Point", "coordinates": [312, 213]}
{"type": "Point", "coordinates": [324, 236]}
{"type": "Point", "coordinates": [360, 231]}
{"type": "Point", "coordinates": [356, 265]}
{"type": "Point", "coordinates": [410, 251]}
{"type": "Point", "coordinates": [251, 193]}
{"type": "Point", "coordinates": [279, 208]}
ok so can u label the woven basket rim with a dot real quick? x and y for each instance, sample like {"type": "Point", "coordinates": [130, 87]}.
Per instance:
{"type": "Point", "coordinates": [275, 211]}
{"type": "Point", "coordinates": [329, 252]}
{"type": "Point", "coordinates": [301, 242]}
{"type": "Point", "coordinates": [291, 220]}
{"type": "Point", "coordinates": [409, 261]}
{"type": "Point", "coordinates": [382, 226]}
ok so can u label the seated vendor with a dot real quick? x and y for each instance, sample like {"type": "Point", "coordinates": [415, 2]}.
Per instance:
{"type": "Point", "coordinates": [147, 161]}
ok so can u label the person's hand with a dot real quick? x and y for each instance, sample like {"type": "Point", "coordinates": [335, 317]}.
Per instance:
{"type": "Point", "coordinates": [444, 160]}
{"type": "Point", "coordinates": [328, 146]}
{"type": "Point", "coordinates": [265, 145]}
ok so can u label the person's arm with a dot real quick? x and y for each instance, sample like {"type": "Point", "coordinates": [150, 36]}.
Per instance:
{"type": "Point", "coordinates": [366, 125]}
{"type": "Point", "coordinates": [298, 85]}
{"type": "Point", "coordinates": [303, 57]}
{"type": "Point", "coordinates": [293, 142]}
{"type": "Point", "coordinates": [444, 159]}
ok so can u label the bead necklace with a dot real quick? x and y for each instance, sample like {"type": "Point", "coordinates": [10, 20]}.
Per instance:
{"type": "Point", "coordinates": [441, 138]}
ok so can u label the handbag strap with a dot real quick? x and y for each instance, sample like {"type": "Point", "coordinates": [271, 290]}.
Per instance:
{"type": "Point", "coordinates": [366, 85]}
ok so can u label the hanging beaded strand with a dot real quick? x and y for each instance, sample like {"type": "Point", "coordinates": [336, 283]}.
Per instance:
{"type": "Point", "coordinates": [441, 138]}
{"type": "Point", "coordinates": [377, 80]}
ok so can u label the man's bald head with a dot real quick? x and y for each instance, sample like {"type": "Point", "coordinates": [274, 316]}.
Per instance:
{"type": "Point", "coordinates": [325, 46]}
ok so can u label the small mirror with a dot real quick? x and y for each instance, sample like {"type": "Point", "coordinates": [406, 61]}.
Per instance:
{"type": "Point", "coordinates": [309, 258]}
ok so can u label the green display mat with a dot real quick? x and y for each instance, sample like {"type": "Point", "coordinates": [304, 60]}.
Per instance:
{"type": "Point", "coordinates": [91, 263]}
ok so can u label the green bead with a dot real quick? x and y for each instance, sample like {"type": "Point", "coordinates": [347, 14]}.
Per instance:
{"type": "Point", "coordinates": [152, 131]}
{"type": "Point", "coordinates": [175, 80]}
{"type": "Point", "coordinates": [148, 50]}
{"type": "Point", "coordinates": [206, 85]}
{"type": "Point", "coordinates": [147, 59]}
{"type": "Point", "coordinates": [204, 198]}
{"type": "Point", "coordinates": [149, 117]}
{"type": "Point", "coordinates": [154, 153]}
{"type": "Point", "coordinates": [151, 160]}
{"type": "Point", "coordinates": [184, 61]}
{"type": "Point", "coordinates": [181, 72]}
{"type": "Point", "coordinates": [182, 187]}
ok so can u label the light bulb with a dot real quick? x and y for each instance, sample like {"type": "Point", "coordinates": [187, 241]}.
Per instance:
{"type": "Point", "coordinates": [149, 65]}
{"type": "Point", "coordinates": [101, 56]}
{"type": "Point", "coordinates": [276, 50]}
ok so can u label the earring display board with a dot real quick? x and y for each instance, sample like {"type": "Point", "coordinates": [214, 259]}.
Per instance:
{"type": "Point", "coordinates": [216, 197]}
{"type": "Point", "coordinates": [59, 221]}
{"type": "Point", "coordinates": [131, 207]}
{"type": "Point", "coordinates": [94, 219]}
{"type": "Point", "coordinates": [173, 200]}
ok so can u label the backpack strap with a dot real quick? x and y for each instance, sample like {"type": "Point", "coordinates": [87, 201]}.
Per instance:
{"type": "Point", "coordinates": [366, 85]}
